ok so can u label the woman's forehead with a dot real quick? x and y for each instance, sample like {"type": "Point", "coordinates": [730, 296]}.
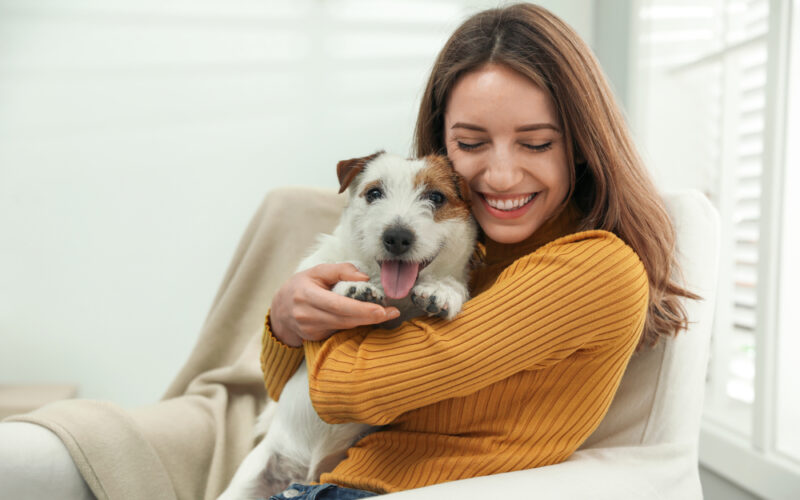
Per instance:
{"type": "Point", "coordinates": [496, 93]}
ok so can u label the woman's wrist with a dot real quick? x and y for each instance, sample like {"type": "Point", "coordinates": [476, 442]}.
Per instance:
{"type": "Point", "coordinates": [283, 335]}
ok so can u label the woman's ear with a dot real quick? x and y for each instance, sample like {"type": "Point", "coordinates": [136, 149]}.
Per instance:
{"type": "Point", "coordinates": [347, 170]}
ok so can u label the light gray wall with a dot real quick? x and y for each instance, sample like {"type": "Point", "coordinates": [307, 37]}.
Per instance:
{"type": "Point", "coordinates": [138, 137]}
{"type": "Point", "coordinates": [612, 43]}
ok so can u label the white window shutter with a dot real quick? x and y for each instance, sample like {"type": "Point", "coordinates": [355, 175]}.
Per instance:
{"type": "Point", "coordinates": [717, 49]}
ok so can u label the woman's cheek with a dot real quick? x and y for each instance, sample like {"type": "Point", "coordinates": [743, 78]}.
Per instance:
{"type": "Point", "coordinates": [463, 165]}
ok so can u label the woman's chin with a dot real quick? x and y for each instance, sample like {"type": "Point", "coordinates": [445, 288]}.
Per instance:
{"type": "Point", "coordinates": [507, 234]}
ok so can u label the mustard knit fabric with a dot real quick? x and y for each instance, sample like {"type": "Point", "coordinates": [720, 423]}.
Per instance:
{"type": "Point", "coordinates": [519, 379]}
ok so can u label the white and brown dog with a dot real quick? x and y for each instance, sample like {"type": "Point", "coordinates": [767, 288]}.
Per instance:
{"type": "Point", "coordinates": [407, 224]}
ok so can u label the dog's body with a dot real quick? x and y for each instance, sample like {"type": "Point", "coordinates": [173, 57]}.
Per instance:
{"type": "Point", "coordinates": [407, 225]}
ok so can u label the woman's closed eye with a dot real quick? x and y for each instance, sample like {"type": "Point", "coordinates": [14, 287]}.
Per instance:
{"type": "Point", "coordinates": [539, 147]}
{"type": "Point", "coordinates": [469, 146]}
{"type": "Point", "coordinates": [533, 147]}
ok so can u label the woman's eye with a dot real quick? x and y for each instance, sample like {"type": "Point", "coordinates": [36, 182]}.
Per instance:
{"type": "Point", "coordinates": [469, 147]}
{"type": "Point", "coordinates": [374, 194]}
{"type": "Point", "coordinates": [539, 147]}
{"type": "Point", "coordinates": [437, 198]}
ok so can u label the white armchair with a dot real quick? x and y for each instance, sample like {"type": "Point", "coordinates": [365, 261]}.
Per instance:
{"type": "Point", "coordinates": [646, 446]}
{"type": "Point", "coordinates": [188, 445]}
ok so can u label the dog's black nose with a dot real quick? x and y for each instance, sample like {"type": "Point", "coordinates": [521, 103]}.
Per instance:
{"type": "Point", "coordinates": [397, 240]}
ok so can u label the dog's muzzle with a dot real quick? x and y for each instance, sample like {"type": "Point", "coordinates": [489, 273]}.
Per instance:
{"type": "Point", "coordinates": [398, 275]}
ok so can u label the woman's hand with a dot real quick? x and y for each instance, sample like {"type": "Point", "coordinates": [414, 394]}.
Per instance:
{"type": "Point", "coordinates": [305, 308]}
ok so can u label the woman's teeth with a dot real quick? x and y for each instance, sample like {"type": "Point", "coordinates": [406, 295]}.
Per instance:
{"type": "Point", "coordinates": [509, 205]}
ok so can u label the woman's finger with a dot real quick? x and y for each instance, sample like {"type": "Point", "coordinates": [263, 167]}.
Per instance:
{"type": "Point", "coordinates": [364, 313]}
{"type": "Point", "coordinates": [330, 274]}
{"type": "Point", "coordinates": [323, 321]}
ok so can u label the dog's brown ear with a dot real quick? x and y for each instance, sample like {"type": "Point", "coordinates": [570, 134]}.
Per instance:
{"type": "Point", "coordinates": [347, 170]}
{"type": "Point", "coordinates": [462, 186]}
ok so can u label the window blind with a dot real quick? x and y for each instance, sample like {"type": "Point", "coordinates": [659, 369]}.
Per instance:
{"type": "Point", "coordinates": [717, 50]}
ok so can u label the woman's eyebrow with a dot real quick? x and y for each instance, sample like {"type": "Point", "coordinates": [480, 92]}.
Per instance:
{"type": "Point", "coordinates": [537, 126]}
{"type": "Point", "coordinates": [523, 128]}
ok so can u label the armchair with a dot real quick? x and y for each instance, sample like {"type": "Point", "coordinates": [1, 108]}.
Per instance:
{"type": "Point", "coordinates": [647, 444]}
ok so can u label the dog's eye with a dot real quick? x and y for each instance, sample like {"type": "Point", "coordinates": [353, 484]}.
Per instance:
{"type": "Point", "coordinates": [437, 198]}
{"type": "Point", "coordinates": [374, 194]}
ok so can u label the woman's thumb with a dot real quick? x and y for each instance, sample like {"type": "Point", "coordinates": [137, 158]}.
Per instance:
{"type": "Point", "coordinates": [334, 273]}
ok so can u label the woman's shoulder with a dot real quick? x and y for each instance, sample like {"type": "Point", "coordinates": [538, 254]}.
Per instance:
{"type": "Point", "coordinates": [593, 273]}
{"type": "Point", "coordinates": [585, 259]}
{"type": "Point", "coordinates": [593, 250]}
{"type": "Point", "coordinates": [600, 265]}
{"type": "Point", "coordinates": [599, 240]}
{"type": "Point", "coordinates": [587, 235]}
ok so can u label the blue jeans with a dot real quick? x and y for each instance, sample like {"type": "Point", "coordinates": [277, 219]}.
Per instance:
{"type": "Point", "coordinates": [325, 491]}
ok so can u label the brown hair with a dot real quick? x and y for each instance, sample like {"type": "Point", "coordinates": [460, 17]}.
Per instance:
{"type": "Point", "coordinates": [609, 182]}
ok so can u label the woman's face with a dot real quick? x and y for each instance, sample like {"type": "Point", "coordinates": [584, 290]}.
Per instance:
{"type": "Point", "coordinates": [503, 135]}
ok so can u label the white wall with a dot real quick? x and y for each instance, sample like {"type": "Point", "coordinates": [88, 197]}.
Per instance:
{"type": "Point", "coordinates": [137, 138]}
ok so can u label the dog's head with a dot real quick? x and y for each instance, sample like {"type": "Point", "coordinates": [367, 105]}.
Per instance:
{"type": "Point", "coordinates": [407, 215]}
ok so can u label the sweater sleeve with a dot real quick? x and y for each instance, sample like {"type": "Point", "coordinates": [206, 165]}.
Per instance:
{"type": "Point", "coordinates": [278, 361]}
{"type": "Point", "coordinates": [582, 291]}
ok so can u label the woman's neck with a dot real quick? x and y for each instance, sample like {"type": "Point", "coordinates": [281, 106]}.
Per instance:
{"type": "Point", "coordinates": [564, 223]}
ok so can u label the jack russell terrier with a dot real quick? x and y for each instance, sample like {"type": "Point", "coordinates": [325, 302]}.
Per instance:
{"type": "Point", "coordinates": [407, 224]}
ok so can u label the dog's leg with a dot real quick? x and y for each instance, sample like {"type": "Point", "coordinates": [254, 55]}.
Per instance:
{"type": "Point", "coordinates": [246, 481]}
{"type": "Point", "coordinates": [365, 291]}
{"type": "Point", "coordinates": [266, 470]}
{"type": "Point", "coordinates": [443, 296]}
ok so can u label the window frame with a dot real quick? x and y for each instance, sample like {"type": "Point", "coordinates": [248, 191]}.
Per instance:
{"type": "Point", "coordinates": [753, 462]}
{"type": "Point", "coordinates": [747, 455]}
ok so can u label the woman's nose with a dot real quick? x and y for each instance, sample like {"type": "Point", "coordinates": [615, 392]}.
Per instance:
{"type": "Point", "coordinates": [501, 174]}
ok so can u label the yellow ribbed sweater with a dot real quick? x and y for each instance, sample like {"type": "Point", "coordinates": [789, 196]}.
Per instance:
{"type": "Point", "coordinates": [519, 379]}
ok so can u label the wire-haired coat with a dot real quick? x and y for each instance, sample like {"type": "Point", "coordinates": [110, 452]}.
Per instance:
{"type": "Point", "coordinates": [407, 224]}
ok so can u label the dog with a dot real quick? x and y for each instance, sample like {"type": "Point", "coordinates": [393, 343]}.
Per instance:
{"type": "Point", "coordinates": [408, 225]}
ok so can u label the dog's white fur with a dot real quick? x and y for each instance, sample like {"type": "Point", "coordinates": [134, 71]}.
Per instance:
{"type": "Point", "coordinates": [299, 446]}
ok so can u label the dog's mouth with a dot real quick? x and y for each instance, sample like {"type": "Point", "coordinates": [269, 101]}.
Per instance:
{"type": "Point", "coordinates": [399, 276]}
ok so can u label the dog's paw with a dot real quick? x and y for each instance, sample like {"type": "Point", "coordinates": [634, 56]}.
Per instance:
{"type": "Point", "coordinates": [437, 300]}
{"type": "Point", "coordinates": [360, 290]}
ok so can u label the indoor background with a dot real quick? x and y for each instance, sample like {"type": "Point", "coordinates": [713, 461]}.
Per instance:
{"type": "Point", "coordinates": [137, 138]}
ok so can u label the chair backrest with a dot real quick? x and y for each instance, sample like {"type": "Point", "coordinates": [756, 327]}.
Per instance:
{"type": "Point", "coordinates": [660, 398]}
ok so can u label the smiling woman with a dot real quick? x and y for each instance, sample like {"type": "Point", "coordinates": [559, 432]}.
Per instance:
{"type": "Point", "coordinates": [536, 116]}
{"type": "Point", "coordinates": [578, 256]}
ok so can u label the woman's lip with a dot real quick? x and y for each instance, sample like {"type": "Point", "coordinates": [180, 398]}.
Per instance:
{"type": "Point", "coordinates": [510, 214]}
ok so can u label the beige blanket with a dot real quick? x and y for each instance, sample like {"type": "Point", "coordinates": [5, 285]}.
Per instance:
{"type": "Point", "coordinates": [188, 445]}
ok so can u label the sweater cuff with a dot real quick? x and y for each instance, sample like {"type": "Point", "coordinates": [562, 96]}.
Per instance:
{"type": "Point", "coordinates": [278, 361]}
{"type": "Point", "coordinates": [311, 350]}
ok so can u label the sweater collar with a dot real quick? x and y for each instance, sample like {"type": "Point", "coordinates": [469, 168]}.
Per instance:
{"type": "Point", "coordinates": [566, 222]}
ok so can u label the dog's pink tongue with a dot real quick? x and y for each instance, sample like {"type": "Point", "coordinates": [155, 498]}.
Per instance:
{"type": "Point", "coordinates": [397, 277]}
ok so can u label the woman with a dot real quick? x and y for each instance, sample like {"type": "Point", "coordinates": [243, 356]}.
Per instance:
{"type": "Point", "coordinates": [578, 256]}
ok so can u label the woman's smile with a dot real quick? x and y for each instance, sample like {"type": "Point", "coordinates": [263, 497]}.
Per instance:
{"type": "Point", "coordinates": [507, 206]}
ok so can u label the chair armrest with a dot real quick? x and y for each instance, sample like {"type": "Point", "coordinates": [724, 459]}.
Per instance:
{"type": "Point", "coordinates": [653, 472]}
{"type": "Point", "coordinates": [24, 398]}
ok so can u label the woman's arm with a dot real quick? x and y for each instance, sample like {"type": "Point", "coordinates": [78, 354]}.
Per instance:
{"type": "Point", "coordinates": [581, 291]}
